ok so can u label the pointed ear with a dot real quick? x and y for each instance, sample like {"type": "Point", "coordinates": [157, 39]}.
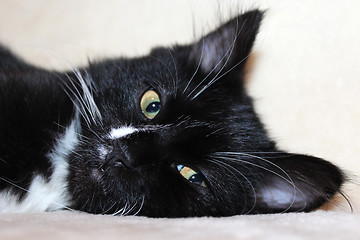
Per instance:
{"type": "Point", "coordinates": [228, 47]}
{"type": "Point", "coordinates": [297, 183]}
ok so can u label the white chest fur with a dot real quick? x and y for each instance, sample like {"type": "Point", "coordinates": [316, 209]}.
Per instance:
{"type": "Point", "coordinates": [46, 194]}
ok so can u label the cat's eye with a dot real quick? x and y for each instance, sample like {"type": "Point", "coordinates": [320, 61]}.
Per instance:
{"type": "Point", "coordinates": [191, 175]}
{"type": "Point", "coordinates": [150, 104]}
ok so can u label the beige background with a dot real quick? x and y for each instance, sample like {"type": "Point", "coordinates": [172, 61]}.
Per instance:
{"type": "Point", "coordinates": [304, 77]}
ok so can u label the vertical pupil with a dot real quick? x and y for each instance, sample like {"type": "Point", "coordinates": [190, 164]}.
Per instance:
{"type": "Point", "coordinates": [153, 107]}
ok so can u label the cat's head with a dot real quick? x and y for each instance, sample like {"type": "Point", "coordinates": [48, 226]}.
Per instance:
{"type": "Point", "coordinates": [174, 134]}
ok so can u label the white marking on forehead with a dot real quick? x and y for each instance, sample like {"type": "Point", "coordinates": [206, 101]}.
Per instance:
{"type": "Point", "coordinates": [116, 133]}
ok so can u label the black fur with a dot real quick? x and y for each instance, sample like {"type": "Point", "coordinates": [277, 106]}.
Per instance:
{"type": "Point", "coordinates": [207, 125]}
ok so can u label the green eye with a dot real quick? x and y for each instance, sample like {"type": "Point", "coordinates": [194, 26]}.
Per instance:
{"type": "Point", "coordinates": [190, 175]}
{"type": "Point", "coordinates": [150, 104]}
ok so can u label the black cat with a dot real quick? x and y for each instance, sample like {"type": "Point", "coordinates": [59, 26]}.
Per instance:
{"type": "Point", "coordinates": [171, 134]}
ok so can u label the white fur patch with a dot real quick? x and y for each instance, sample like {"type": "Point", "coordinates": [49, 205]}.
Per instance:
{"type": "Point", "coordinates": [116, 133]}
{"type": "Point", "coordinates": [47, 195]}
{"type": "Point", "coordinates": [102, 152]}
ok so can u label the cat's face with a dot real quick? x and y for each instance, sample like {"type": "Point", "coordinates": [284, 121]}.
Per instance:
{"type": "Point", "coordinates": [174, 134]}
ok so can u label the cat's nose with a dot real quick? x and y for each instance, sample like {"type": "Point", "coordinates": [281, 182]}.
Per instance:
{"type": "Point", "coordinates": [134, 151]}
{"type": "Point", "coordinates": [119, 157]}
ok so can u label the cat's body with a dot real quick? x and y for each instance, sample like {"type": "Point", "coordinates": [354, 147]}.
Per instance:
{"type": "Point", "coordinates": [166, 135]}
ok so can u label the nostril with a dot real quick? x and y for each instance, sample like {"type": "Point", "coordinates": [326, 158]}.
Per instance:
{"type": "Point", "coordinates": [119, 157]}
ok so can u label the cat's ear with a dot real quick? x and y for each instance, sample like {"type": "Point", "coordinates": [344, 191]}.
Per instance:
{"type": "Point", "coordinates": [228, 47]}
{"type": "Point", "coordinates": [297, 183]}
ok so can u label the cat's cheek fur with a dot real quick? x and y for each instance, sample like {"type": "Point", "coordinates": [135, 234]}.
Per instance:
{"type": "Point", "coordinates": [47, 194]}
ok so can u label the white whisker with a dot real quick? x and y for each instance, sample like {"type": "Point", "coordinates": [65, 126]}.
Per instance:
{"type": "Point", "coordinates": [141, 206]}
{"type": "Point", "coordinates": [288, 179]}
{"type": "Point", "coordinates": [246, 179]}
{"type": "Point", "coordinates": [176, 72]}
{"type": "Point", "coordinates": [197, 67]}
{"type": "Point", "coordinates": [216, 79]}
{"type": "Point", "coordinates": [167, 67]}
{"type": "Point", "coordinates": [76, 101]}
{"type": "Point", "coordinates": [88, 98]}
{"type": "Point", "coordinates": [27, 191]}
{"type": "Point", "coordinates": [108, 209]}
{"type": "Point", "coordinates": [228, 54]}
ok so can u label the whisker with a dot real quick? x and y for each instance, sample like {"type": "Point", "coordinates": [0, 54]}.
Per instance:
{"type": "Point", "coordinates": [122, 210]}
{"type": "Point", "coordinates": [27, 191]}
{"type": "Point", "coordinates": [87, 96]}
{"type": "Point", "coordinates": [83, 137]}
{"type": "Point", "coordinates": [131, 209]}
{"type": "Point", "coordinates": [214, 80]}
{"type": "Point", "coordinates": [197, 67]}
{"type": "Point", "coordinates": [80, 109]}
{"type": "Point", "coordinates": [246, 179]}
{"type": "Point", "coordinates": [96, 135]}
{"type": "Point", "coordinates": [167, 67]}
{"type": "Point", "coordinates": [288, 179]}
{"type": "Point", "coordinates": [3, 161]}
{"type": "Point", "coordinates": [205, 78]}
{"type": "Point", "coordinates": [228, 54]}
{"type": "Point", "coordinates": [216, 131]}
{"type": "Point", "coordinates": [87, 103]}
{"type": "Point", "coordinates": [118, 212]}
{"type": "Point", "coordinates": [347, 199]}
{"type": "Point", "coordinates": [141, 206]}
{"type": "Point", "coordinates": [176, 72]}
{"type": "Point", "coordinates": [104, 212]}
